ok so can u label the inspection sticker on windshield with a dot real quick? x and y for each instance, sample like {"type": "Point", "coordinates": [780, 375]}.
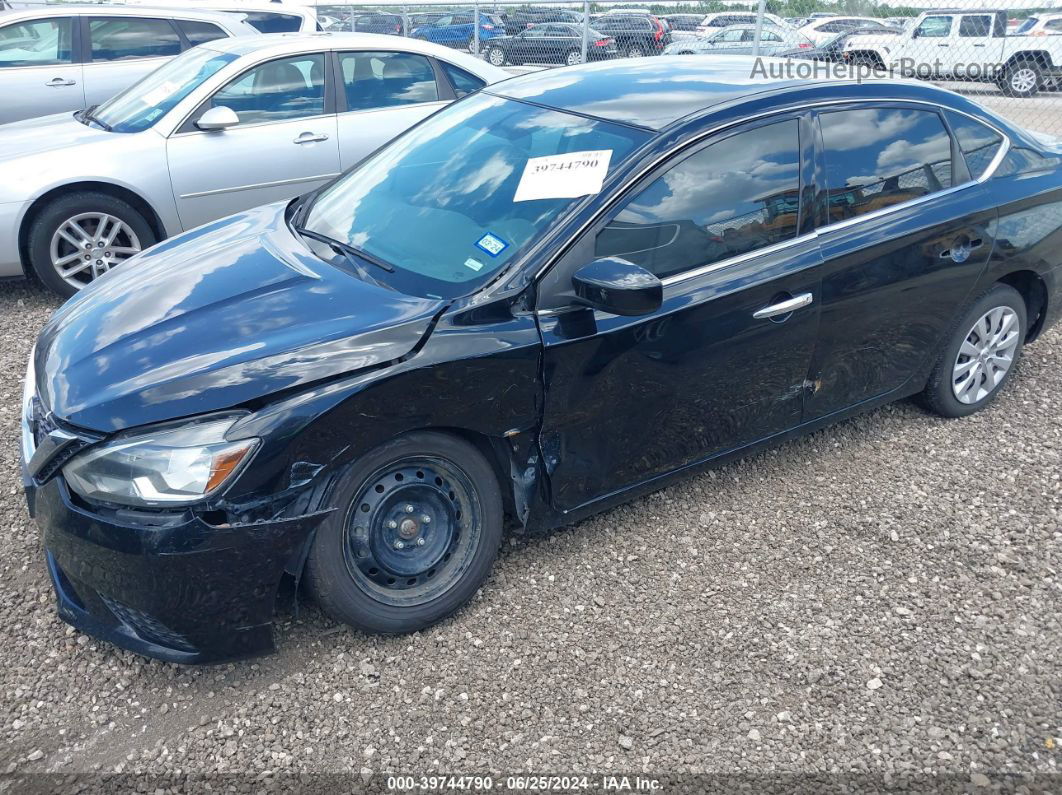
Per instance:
{"type": "Point", "coordinates": [563, 176]}
{"type": "Point", "coordinates": [492, 244]}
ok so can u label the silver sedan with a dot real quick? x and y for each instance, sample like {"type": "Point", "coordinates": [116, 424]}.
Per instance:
{"type": "Point", "coordinates": [741, 40]}
{"type": "Point", "coordinates": [221, 128]}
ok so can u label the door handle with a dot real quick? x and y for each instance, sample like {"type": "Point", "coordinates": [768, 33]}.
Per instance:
{"type": "Point", "coordinates": [309, 138]}
{"type": "Point", "coordinates": [784, 307]}
{"type": "Point", "coordinates": [56, 82]}
{"type": "Point", "coordinates": [961, 249]}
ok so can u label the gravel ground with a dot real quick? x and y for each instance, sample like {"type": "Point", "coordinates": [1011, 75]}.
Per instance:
{"type": "Point", "coordinates": [879, 599]}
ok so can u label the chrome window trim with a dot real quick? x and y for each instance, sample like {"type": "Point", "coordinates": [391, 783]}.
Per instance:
{"type": "Point", "coordinates": [700, 271]}
{"type": "Point", "coordinates": [737, 259]}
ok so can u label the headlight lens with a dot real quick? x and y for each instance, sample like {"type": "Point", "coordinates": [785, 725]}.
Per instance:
{"type": "Point", "coordinates": [166, 467]}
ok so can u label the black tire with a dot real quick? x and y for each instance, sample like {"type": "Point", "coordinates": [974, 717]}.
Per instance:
{"type": "Point", "coordinates": [383, 602]}
{"type": "Point", "coordinates": [491, 56]}
{"type": "Point", "coordinates": [1033, 82]}
{"type": "Point", "coordinates": [939, 394]}
{"type": "Point", "coordinates": [47, 222]}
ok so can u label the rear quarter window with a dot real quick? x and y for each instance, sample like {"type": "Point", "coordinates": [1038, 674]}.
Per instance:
{"type": "Point", "coordinates": [463, 82]}
{"type": "Point", "coordinates": [979, 143]}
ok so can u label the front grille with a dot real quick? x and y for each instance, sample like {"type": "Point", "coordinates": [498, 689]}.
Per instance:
{"type": "Point", "coordinates": [146, 627]}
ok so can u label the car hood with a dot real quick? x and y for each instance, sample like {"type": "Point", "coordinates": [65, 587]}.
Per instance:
{"type": "Point", "coordinates": [226, 314]}
{"type": "Point", "coordinates": [47, 133]}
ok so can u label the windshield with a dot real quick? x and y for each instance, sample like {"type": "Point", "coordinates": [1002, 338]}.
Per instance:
{"type": "Point", "coordinates": [441, 203]}
{"type": "Point", "coordinates": [144, 103]}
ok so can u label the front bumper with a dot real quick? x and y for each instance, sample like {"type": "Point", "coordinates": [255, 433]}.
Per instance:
{"type": "Point", "coordinates": [10, 217]}
{"type": "Point", "coordinates": [179, 590]}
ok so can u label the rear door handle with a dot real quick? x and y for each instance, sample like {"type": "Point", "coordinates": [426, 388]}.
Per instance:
{"type": "Point", "coordinates": [784, 307]}
{"type": "Point", "coordinates": [309, 138]}
{"type": "Point", "coordinates": [55, 82]}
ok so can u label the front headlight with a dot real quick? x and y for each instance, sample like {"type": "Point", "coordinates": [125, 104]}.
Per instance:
{"type": "Point", "coordinates": [169, 466]}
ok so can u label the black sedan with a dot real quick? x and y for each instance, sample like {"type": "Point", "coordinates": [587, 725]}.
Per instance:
{"type": "Point", "coordinates": [550, 43]}
{"type": "Point", "coordinates": [832, 50]}
{"type": "Point", "coordinates": [557, 294]}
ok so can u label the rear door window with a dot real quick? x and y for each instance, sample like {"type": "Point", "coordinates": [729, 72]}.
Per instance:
{"type": "Point", "coordinates": [271, 22]}
{"type": "Point", "coordinates": [387, 79]}
{"type": "Point", "coordinates": [975, 27]}
{"type": "Point", "coordinates": [200, 32]}
{"type": "Point", "coordinates": [880, 157]}
{"type": "Point", "coordinates": [40, 42]}
{"type": "Point", "coordinates": [125, 38]}
{"type": "Point", "coordinates": [729, 198]}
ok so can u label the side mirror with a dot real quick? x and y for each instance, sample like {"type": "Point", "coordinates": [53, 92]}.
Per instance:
{"type": "Point", "coordinates": [218, 118]}
{"type": "Point", "coordinates": [618, 287]}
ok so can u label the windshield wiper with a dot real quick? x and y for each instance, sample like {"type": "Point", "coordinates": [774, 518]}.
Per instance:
{"type": "Point", "coordinates": [86, 115]}
{"type": "Point", "coordinates": [345, 249]}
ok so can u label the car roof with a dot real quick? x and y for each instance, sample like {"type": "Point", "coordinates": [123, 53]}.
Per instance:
{"type": "Point", "coordinates": [280, 43]}
{"type": "Point", "coordinates": [162, 10]}
{"type": "Point", "coordinates": [645, 93]}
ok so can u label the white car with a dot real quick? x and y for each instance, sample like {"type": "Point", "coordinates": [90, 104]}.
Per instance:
{"type": "Point", "coordinates": [1041, 25]}
{"type": "Point", "coordinates": [819, 30]}
{"type": "Point", "coordinates": [56, 58]}
{"type": "Point", "coordinates": [224, 127]}
{"type": "Point", "coordinates": [262, 15]}
{"type": "Point", "coordinates": [724, 19]}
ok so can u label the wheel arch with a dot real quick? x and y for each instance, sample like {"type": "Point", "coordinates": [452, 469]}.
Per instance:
{"type": "Point", "coordinates": [116, 191]}
{"type": "Point", "coordinates": [1030, 285]}
{"type": "Point", "coordinates": [1040, 58]}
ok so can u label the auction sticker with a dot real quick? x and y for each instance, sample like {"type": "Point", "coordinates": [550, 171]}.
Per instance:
{"type": "Point", "coordinates": [563, 176]}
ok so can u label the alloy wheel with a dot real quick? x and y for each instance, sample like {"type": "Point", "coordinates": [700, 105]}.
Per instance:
{"type": "Point", "coordinates": [497, 56]}
{"type": "Point", "coordinates": [412, 531]}
{"type": "Point", "coordinates": [635, 52]}
{"type": "Point", "coordinates": [986, 355]}
{"type": "Point", "coordinates": [88, 245]}
{"type": "Point", "coordinates": [1023, 81]}
{"type": "Point", "coordinates": [573, 58]}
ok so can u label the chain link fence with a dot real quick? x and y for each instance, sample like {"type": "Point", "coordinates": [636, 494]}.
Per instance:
{"type": "Point", "coordinates": [1008, 58]}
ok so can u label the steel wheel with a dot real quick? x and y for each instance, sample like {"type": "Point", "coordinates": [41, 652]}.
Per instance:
{"type": "Point", "coordinates": [986, 355]}
{"type": "Point", "coordinates": [88, 245]}
{"type": "Point", "coordinates": [1024, 80]}
{"type": "Point", "coordinates": [412, 530]}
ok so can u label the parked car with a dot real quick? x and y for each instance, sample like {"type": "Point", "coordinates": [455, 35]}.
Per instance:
{"type": "Point", "coordinates": [457, 30]}
{"type": "Point", "coordinates": [226, 126]}
{"type": "Point", "coordinates": [967, 46]}
{"type": "Point", "coordinates": [264, 16]}
{"type": "Point", "coordinates": [1041, 25]}
{"type": "Point", "coordinates": [386, 24]}
{"type": "Point", "coordinates": [683, 22]}
{"type": "Point", "coordinates": [819, 30]}
{"type": "Point", "coordinates": [832, 49]}
{"type": "Point", "coordinates": [480, 322]}
{"type": "Point", "coordinates": [741, 40]}
{"type": "Point", "coordinates": [64, 58]}
{"type": "Point", "coordinates": [635, 36]}
{"type": "Point", "coordinates": [519, 21]}
{"type": "Point", "coordinates": [551, 43]}
{"type": "Point", "coordinates": [711, 22]}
